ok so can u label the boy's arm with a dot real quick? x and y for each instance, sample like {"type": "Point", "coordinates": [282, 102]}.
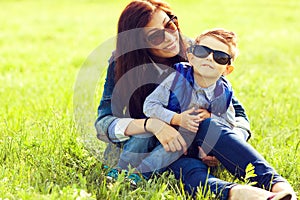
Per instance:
{"type": "Point", "coordinates": [156, 103]}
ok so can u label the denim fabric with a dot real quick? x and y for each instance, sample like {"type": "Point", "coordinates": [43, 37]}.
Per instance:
{"type": "Point", "coordinates": [112, 153]}
{"type": "Point", "coordinates": [105, 116]}
{"type": "Point", "coordinates": [195, 173]}
{"type": "Point", "coordinates": [158, 159]}
{"type": "Point", "coordinates": [146, 154]}
{"type": "Point", "coordinates": [233, 152]}
{"type": "Point", "coordinates": [136, 149]}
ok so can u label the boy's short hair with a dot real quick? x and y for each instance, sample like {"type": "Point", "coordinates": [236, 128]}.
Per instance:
{"type": "Point", "coordinates": [227, 37]}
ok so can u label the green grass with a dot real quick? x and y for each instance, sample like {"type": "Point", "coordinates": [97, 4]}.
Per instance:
{"type": "Point", "coordinates": [43, 45]}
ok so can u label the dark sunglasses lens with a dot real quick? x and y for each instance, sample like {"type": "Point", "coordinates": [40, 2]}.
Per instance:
{"type": "Point", "coordinates": [201, 51]}
{"type": "Point", "coordinates": [157, 37]}
{"type": "Point", "coordinates": [221, 57]}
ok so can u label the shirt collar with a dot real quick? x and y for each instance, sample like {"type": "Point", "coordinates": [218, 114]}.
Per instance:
{"type": "Point", "coordinates": [209, 91]}
{"type": "Point", "coordinates": [160, 70]}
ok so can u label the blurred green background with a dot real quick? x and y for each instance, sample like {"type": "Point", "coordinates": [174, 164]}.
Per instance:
{"type": "Point", "coordinates": [44, 44]}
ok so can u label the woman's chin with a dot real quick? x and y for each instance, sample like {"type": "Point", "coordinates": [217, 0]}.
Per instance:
{"type": "Point", "coordinates": [172, 51]}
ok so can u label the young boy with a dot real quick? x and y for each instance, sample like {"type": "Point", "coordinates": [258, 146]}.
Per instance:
{"type": "Point", "coordinates": [198, 89]}
{"type": "Point", "coordinates": [195, 92]}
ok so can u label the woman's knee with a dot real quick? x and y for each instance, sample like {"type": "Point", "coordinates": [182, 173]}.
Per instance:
{"type": "Point", "coordinates": [138, 144]}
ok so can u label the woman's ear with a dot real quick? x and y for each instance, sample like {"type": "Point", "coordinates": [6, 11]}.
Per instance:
{"type": "Point", "coordinates": [229, 69]}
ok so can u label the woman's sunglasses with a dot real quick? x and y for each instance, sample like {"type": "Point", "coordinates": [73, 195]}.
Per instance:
{"type": "Point", "coordinates": [158, 36]}
{"type": "Point", "coordinates": [201, 51]}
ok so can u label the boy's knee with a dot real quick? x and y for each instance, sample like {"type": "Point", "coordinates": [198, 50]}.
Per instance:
{"type": "Point", "coordinates": [209, 124]}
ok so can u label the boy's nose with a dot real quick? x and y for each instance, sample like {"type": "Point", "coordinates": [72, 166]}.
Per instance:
{"type": "Point", "coordinates": [210, 56]}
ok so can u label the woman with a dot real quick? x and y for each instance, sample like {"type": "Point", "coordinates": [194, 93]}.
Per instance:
{"type": "Point", "coordinates": [140, 59]}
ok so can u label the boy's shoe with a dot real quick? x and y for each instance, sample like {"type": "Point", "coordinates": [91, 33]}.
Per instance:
{"type": "Point", "coordinates": [134, 179]}
{"type": "Point", "coordinates": [113, 174]}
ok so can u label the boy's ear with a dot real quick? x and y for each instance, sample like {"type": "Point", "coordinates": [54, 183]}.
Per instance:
{"type": "Point", "coordinates": [229, 69]}
{"type": "Point", "coordinates": [189, 56]}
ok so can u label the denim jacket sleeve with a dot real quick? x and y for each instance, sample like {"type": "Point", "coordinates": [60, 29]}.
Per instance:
{"type": "Point", "coordinates": [242, 120]}
{"type": "Point", "coordinates": [105, 117]}
{"type": "Point", "coordinates": [239, 109]}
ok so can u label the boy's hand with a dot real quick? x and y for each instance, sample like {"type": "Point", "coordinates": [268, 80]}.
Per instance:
{"type": "Point", "coordinates": [203, 114]}
{"type": "Point", "coordinates": [211, 161]}
{"type": "Point", "coordinates": [188, 119]}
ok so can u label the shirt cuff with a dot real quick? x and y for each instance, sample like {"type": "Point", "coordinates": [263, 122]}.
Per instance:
{"type": "Point", "coordinates": [168, 116]}
{"type": "Point", "coordinates": [120, 127]}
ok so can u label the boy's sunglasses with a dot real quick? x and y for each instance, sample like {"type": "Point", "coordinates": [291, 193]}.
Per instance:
{"type": "Point", "coordinates": [201, 51]}
{"type": "Point", "coordinates": [158, 36]}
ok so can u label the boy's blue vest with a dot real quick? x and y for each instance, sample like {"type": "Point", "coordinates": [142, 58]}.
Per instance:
{"type": "Point", "coordinates": [182, 87]}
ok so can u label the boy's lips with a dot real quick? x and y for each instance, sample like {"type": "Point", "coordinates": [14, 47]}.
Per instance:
{"type": "Point", "coordinates": [206, 65]}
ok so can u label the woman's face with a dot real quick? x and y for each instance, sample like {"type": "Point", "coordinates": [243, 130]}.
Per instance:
{"type": "Point", "coordinates": [162, 35]}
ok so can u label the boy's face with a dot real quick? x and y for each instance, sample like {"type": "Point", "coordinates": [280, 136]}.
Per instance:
{"type": "Point", "coordinates": [207, 67]}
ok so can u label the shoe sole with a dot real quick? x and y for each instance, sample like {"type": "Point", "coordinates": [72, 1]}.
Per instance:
{"type": "Point", "coordinates": [281, 196]}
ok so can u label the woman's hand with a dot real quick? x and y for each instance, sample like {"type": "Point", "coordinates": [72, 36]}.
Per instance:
{"type": "Point", "coordinates": [168, 136]}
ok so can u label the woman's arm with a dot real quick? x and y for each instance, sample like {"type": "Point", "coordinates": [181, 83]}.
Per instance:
{"type": "Point", "coordinates": [155, 104]}
{"type": "Point", "coordinates": [239, 109]}
{"type": "Point", "coordinates": [106, 122]}
{"type": "Point", "coordinates": [241, 118]}
{"type": "Point", "coordinates": [168, 136]}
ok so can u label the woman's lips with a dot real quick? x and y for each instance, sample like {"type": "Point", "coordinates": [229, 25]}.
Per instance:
{"type": "Point", "coordinates": [171, 47]}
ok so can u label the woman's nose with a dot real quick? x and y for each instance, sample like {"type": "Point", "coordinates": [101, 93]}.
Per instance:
{"type": "Point", "coordinates": [170, 36]}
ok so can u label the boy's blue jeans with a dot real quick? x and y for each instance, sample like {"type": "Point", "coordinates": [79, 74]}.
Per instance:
{"type": "Point", "coordinates": [234, 154]}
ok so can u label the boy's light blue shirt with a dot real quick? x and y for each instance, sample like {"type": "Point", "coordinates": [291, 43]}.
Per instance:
{"type": "Point", "coordinates": [156, 103]}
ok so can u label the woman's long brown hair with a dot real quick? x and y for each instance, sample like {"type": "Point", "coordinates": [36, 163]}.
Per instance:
{"type": "Point", "coordinates": [131, 50]}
